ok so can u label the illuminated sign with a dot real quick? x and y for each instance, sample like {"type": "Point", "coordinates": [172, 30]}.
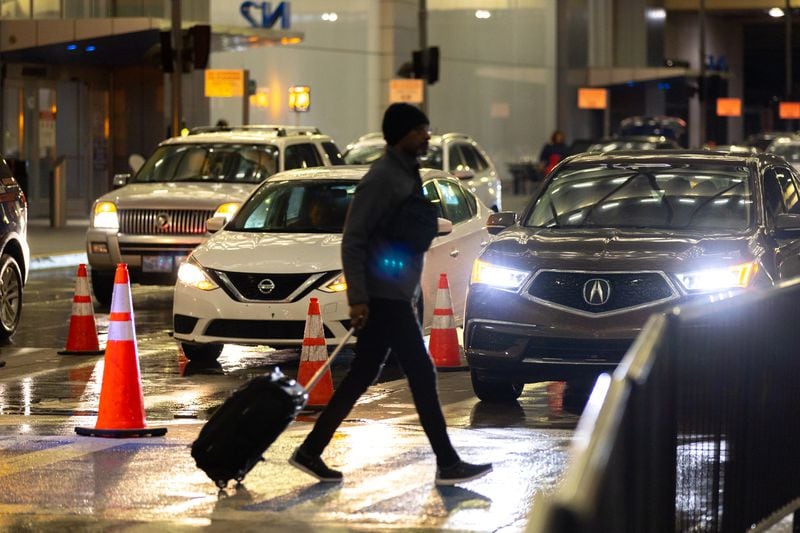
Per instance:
{"type": "Point", "coordinates": [789, 110]}
{"type": "Point", "coordinates": [408, 90]}
{"type": "Point", "coordinates": [224, 83]}
{"type": "Point", "coordinates": [729, 107]}
{"type": "Point", "coordinates": [268, 16]}
{"type": "Point", "coordinates": [591, 98]}
{"type": "Point", "coordinates": [299, 98]}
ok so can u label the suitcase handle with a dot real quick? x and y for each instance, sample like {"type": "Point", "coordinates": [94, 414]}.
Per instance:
{"type": "Point", "coordinates": [318, 374]}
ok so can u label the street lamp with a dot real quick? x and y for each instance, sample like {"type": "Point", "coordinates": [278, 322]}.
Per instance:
{"type": "Point", "coordinates": [299, 98]}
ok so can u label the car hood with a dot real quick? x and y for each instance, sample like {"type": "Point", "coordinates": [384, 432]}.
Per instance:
{"type": "Point", "coordinates": [177, 195]}
{"type": "Point", "coordinates": [271, 252]}
{"type": "Point", "coordinates": [609, 249]}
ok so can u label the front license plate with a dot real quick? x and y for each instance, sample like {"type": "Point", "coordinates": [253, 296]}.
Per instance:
{"type": "Point", "coordinates": [157, 263]}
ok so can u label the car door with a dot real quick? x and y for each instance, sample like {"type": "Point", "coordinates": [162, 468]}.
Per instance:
{"type": "Point", "coordinates": [780, 190]}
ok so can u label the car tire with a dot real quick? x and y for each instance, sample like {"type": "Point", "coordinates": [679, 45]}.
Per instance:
{"type": "Point", "coordinates": [103, 287]}
{"type": "Point", "coordinates": [496, 391]}
{"type": "Point", "coordinates": [10, 296]}
{"type": "Point", "coordinates": [201, 353]}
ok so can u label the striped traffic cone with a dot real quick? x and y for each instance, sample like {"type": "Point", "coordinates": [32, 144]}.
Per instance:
{"type": "Point", "coordinates": [443, 345]}
{"type": "Point", "coordinates": [82, 337]}
{"type": "Point", "coordinates": [313, 355]}
{"type": "Point", "coordinates": [121, 410]}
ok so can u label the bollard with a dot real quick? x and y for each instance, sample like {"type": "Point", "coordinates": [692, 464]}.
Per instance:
{"type": "Point", "coordinates": [58, 194]}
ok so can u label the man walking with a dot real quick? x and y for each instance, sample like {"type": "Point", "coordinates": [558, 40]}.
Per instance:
{"type": "Point", "coordinates": [380, 292]}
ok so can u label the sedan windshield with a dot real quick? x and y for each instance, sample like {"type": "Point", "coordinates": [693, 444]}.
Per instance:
{"type": "Point", "coordinates": [223, 162]}
{"type": "Point", "coordinates": [307, 206]}
{"type": "Point", "coordinates": [651, 195]}
{"type": "Point", "coordinates": [789, 151]}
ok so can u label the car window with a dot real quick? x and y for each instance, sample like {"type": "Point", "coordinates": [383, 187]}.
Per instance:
{"type": "Point", "coordinates": [472, 202]}
{"type": "Point", "coordinates": [226, 162]}
{"type": "Point", "coordinates": [455, 204]}
{"type": "Point", "coordinates": [455, 161]}
{"type": "Point", "coordinates": [430, 192]}
{"type": "Point", "coordinates": [5, 170]}
{"type": "Point", "coordinates": [699, 196]}
{"type": "Point", "coordinates": [296, 206]}
{"type": "Point", "coordinates": [302, 155]}
{"type": "Point", "coordinates": [780, 192]}
{"type": "Point", "coordinates": [333, 153]}
{"type": "Point", "coordinates": [473, 158]}
{"type": "Point", "coordinates": [364, 154]}
{"type": "Point", "coordinates": [432, 159]}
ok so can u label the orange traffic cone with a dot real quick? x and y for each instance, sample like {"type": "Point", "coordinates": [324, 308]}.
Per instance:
{"type": "Point", "coordinates": [121, 410]}
{"type": "Point", "coordinates": [312, 356]}
{"type": "Point", "coordinates": [443, 345]}
{"type": "Point", "coordinates": [82, 337]}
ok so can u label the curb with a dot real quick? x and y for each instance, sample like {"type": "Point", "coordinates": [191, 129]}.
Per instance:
{"type": "Point", "coordinates": [58, 261]}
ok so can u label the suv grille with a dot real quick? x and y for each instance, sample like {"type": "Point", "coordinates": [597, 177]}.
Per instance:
{"type": "Point", "coordinates": [163, 221]}
{"type": "Point", "coordinates": [282, 285]}
{"type": "Point", "coordinates": [600, 292]}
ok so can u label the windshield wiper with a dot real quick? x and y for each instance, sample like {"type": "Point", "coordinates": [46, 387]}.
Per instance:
{"type": "Point", "coordinates": [708, 200]}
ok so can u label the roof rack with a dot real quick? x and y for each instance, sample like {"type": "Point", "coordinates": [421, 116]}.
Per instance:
{"type": "Point", "coordinates": [280, 130]}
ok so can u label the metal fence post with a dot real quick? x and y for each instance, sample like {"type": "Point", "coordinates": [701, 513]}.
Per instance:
{"type": "Point", "coordinates": [58, 194]}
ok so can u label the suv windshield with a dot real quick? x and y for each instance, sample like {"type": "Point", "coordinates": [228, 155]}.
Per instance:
{"type": "Point", "coordinates": [312, 206]}
{"type": "Point", "coordinates": [651, 195]}
{"type": "Point", "coordinates": [223, 162]}
{"type": "Point", "coordinates": [369, 153]}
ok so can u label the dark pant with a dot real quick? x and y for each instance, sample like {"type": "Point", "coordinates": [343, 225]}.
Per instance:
{"type": "Point", "coordinates": [392, 325]}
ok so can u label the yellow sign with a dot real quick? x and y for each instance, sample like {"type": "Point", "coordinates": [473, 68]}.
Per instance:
{"type": "Point", "coordinates": [406, 90]}
{"type": "Point", "coordinates": [224, 83]}
{"type": "Point", "coordinates": [789, 110]}
{"type": "Point", "coordinates": [729, 107]}
{"type": "Point", "coordinates": [299, 98]}
{"type": "Point", "coordinates": [591, 98]}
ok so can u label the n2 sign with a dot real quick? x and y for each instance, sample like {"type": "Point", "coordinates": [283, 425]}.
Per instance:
{"type": "Point", "coordinates": [268, 16]}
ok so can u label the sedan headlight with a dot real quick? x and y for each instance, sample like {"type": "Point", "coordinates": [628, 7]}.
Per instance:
{"type": "Point", "coordinates": [193, 275]}
{"type": "Point", "coordinates": [227, 210]}
{"type": "Point", "coordinates": [337, 284]}
{"type": "Point", "coordinates": [105, 216]}
{"type": "Point", "coordinates": [497, 276]}
{"type": "Point", "coordinates": [715, 279]}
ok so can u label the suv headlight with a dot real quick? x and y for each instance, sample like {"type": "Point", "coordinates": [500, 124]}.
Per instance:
{"type": "Point", "coordinates": [714, 279]}
{"type": "Point", "coordinates": [227, 210]}
{"type": "Point", "coordinates": [193, 275]}
{"type": "Point", "coordinates": [337, 284]}
{"type": "Point", "coordinates": [105, 216]}
{"type": "Point", "coordinates": [497, 276]}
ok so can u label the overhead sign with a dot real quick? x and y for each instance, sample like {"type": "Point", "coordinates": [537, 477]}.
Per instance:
{"type": "Point", "coordinates": [408, 90]}
{"type": "Point", "coordinates": [222, 83]}
{"type": "Point", "coordinates": [789, 110]}
{"type": "Point", "coordinates": [268, 17]}
{"type": "Point", "coordinates": [729, 107]}
{"type": "Point", "coordinates": [592, 98]}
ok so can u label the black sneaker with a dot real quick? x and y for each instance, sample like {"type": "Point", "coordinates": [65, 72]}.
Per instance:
{"type": "Point", "coordinates": [460, 473]}
{"type": "Point", "coordinates": [314, 466]}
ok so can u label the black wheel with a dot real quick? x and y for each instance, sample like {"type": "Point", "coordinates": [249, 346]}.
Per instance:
{"type": "Point", "coordinates": [10, 296]}
{"type": "Point", "coordinates": [496, 391]}
{"type": "Point", "coordinates": [103, 287]}
{"type": "Point", "coordinates": [203, 353]}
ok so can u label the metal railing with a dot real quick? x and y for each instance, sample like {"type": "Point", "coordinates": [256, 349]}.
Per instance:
{"type": "Point", "coordinates": [697, 430]}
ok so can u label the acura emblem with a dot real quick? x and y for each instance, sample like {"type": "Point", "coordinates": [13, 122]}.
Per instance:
{"type": "Point", "coordinates": [266, 286]}
{"type": "Point", "coordinates": [162, 220]}
{"type": "Point", "coordinates": [596, 291]}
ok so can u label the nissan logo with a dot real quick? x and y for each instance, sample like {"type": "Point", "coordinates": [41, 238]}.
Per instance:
{"type": "Point", "coordinates": [162, 220]}
{"type": "Point", "coordinates": [266, 286]}
{"type": "Point", "coordinates": [596, 291]}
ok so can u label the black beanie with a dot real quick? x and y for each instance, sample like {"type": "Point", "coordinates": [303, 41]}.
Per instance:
{"type": "Point", "coordinates": [399, 119]}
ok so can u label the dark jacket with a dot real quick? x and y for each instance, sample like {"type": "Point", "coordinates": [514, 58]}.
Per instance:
{"type": "Point", "coordinates": [372, 267]}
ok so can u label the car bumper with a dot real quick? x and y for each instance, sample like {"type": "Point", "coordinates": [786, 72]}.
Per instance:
{"type": "Point", "coordinates": [204, 317]}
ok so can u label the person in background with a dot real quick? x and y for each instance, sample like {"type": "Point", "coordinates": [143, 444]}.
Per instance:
{"type": "Point", "coordinates": [553, 152]}
{"type": "Point", "coordinates": [381, 307]}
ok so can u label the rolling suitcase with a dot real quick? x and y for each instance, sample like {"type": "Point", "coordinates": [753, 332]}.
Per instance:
{"type": "Point", "coordinates": [233, 440]}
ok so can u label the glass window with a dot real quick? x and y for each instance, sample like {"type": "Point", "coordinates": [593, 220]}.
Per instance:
{"type": "Point", "coordinates": [455, 205]}
{"type": "Point", "coordinates": [473, 158]}
{"type": "Point", "coordinates": [788, 189]}
{"type": "Point", "coordinates": [210, 162]}
{"type": "Point", "coordinates": [430, 192]}
{"type": "Point", "coordinates": [365, 154]}
{"type": "Point", "coordinates": [302, 155]}
{"type": "Point", "coordinates": [333, 153]}
{"type": "Point", "coordinates": [471, 201]}
{"type": "Point", "coordinates": [684, 196]}
{"type": "Point", "coordinates": [433, 159]}
{"type": "Point", "coordinates": [455, 162]}
{"type": "Point", "coordinates": [296, 206]}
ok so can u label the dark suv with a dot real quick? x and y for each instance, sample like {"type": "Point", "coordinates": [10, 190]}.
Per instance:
{"type": "Point", "coordinates": [611, 238]}
{"type": "Point", "coordinates": [14, 251]}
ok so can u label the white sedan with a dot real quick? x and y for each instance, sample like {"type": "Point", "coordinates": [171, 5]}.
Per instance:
{"type": "Point", "coordinates": [251, 282]}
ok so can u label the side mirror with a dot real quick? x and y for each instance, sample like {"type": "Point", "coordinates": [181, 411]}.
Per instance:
{"type": "Point", "coordinates": [787, 223]}
{"type": "Point", "coordinates": [120, 180]}
{"type": "Point", "coordinates": [497, 222]}
{"type": "Point", "coordinates": [445, 227]}
{"type": "Point", "coordinates": [214, 224]}
{"type": "Point", "coordinates": [464, 174]}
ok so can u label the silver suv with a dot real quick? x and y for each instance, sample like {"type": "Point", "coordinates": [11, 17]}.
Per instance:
{"type": "Point", "coordinates": [153, 219]}
{"type": "Point", "coordinates": [455, 153]}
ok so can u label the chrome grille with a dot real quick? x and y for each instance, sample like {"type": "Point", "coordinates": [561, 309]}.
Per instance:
{"type": "Point", "coordinates": [163, 221]}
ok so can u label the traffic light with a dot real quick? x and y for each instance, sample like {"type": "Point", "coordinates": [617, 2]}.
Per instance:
{"type": "Point", "coordinates": [426, 64]}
